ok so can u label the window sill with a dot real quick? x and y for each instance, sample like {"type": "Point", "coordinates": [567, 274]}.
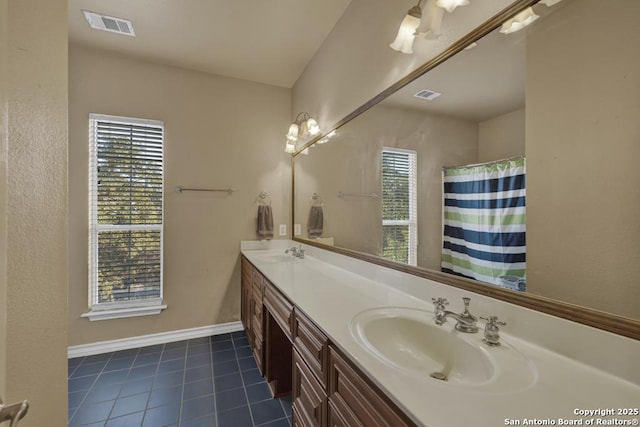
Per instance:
{"type": "Point", "coordinates": [123, 312]}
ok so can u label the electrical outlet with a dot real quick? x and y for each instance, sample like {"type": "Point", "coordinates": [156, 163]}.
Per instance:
{"type": "Point", "coordinates": [296, 230]}
{"type": "Point", "coordinates": [283, 229]}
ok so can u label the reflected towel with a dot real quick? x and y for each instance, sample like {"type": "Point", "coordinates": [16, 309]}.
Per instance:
{"type": "Point", "coordinates": [265, 222]}
{"type": "Point", "coordinates": [316, 222]}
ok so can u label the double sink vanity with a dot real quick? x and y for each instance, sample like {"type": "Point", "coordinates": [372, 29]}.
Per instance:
{"type": "Point", "coordinates": [361, 344]}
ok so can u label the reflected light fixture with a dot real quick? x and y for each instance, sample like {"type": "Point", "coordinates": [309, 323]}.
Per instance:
{"type": "Point", "coordinates": [432, 21]}
{"type": "Point", "coordinates": [407, 31]}
{"type": "Point", "coordinates": [303, 125]}
{"type": "Point", "coordinates": [450, 5]}
{"type": "Point", "coordinates": [519, 21]}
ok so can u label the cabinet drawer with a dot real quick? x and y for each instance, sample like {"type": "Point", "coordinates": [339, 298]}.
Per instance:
{"type": "Point", "coordinates": [258, 354]}
{"type": "Point", "coordinates": [257, 320]}
{"type": "Point", "coordinates": [256, 283]}
{"type": "Point", "coordinates": [354, 396]}
{"type": "Point", "coordinates": [279, 307]}
{"type": "Point", "coordinates": [312, 345]}
{"type": "Point", "coordinates": [309, 397]}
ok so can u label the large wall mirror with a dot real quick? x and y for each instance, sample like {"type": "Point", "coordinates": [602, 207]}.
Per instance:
{"type": "Point", "coordinates": [557, 102]}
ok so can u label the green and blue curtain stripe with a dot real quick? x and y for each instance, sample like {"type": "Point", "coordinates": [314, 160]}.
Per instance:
{"type": "Point", "coordinates": [484, 217]}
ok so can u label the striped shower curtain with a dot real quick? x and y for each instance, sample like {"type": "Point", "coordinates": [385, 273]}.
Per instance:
{"type": "Point", "coordinates": [484, 222]}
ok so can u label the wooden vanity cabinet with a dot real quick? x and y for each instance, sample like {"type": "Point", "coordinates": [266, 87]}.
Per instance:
{"type": "Point", "coordinates": [355, 401]}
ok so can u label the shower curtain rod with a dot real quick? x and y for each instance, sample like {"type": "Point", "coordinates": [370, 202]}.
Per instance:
{"type": "Point", "coordinates": [492, 162]}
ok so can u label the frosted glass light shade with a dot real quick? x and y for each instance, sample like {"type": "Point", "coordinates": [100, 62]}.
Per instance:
{"type": "Point", "coordinates": [312, 127]}
{"type": "Point", "coordinates": [292, 135]}
{"type": "Point", "coordinates": [519, 21]}
{"type": "Point", "coordinates": [450, 5]}
{"type": "Point", "coordinates": [406, 33]}
{"type": "Point", "coordinates": [289, 148]}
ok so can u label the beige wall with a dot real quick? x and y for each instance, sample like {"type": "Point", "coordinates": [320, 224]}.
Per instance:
{"type": "Point", "coordinates": [220, 132]}
{"type": "Point", "coordinates": [502, 137]}
{"type": "Point", "coordinates": [351, 163]}
{"type": "Point", "coordinates": [4, 90]}
{"type": "Point", "coordinates": [583, 134]}
{"type": "Point", "coordinates": [34, 162]}
{"type": "Point", "coordinates": [355, 62]}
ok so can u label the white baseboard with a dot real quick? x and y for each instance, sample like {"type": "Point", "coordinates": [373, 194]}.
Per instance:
{"type": "Point", "coordinates": [152, 339]}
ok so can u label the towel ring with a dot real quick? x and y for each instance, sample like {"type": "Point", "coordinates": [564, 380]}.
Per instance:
{"type": "Point", "coordinates": [263, 199]}
{"type": "Point", "coordinates": [316, 200]}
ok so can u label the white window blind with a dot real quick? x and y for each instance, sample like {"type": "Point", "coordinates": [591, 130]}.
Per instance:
{"type": "Point", "coordinates": [125, 212]}
{"type": "Point", "coordinates": [399, 205]}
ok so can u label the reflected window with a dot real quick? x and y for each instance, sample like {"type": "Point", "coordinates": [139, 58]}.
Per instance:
{"type": "Point", "coordinates": [399, 205]}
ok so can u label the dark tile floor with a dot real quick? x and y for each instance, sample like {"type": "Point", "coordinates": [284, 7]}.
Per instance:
{"type": "Point", "coordinates": [208, 382]}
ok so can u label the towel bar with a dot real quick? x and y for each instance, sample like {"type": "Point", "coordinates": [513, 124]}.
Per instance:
{"type": "Point", "coordinates": [369, 195]}
{"type": "Point", "coordinates": [226, 190]}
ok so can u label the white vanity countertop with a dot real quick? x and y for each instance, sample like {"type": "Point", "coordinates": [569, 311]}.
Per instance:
{"type": "Point", "coordinates": [332, 296]}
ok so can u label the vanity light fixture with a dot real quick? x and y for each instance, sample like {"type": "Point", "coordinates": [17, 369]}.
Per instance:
{"type": "Point", "coordinates": [303, 125]}
{"type": "Point", "coordinates": [450, 5]}
{"type": "Point", "coordinates": [407, 31]}
{"type": "Point", "coordinates": [518, 22]}
{"type": "Point", "coordinates": [428, 27]}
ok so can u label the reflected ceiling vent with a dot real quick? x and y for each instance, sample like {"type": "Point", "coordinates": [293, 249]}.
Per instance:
{"type": "Point", "coordinates": [109, 23]}
{"type": "Point", "coordinates": [427, 94]}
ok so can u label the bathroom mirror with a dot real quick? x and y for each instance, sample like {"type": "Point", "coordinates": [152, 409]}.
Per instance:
{"type": "Point", "coordinates": [564, 93]}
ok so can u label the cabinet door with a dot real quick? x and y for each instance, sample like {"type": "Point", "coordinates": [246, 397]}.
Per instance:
{"type": "Point", "coordinates": [339, 418]}
{"type": "Point", "coordinates": [308, 395]}
{"type": "Point", "coordinates": [355, 397]}
{"type": "Point", "coordinates": [312, 344]}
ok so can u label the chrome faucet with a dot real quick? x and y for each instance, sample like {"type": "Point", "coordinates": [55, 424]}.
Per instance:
{"type": "Point", "coordinates": [467, 322]}
{"type": "Point", "coordinates": [296, 252]}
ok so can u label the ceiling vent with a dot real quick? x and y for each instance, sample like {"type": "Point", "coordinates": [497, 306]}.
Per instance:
{"type": "Point", "coordinates": [109, 23]}
{"type": "Point", "coordinates": [427, 94]}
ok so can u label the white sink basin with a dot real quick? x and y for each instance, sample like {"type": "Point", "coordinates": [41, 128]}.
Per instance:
{"type": "Point", "coordinates": [409, 340]}
{"type": "Point", "coordinates": [277, 258]}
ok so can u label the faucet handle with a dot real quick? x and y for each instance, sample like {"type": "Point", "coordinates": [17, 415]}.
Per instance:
{"type": "Point", "coordinates": [493, 320]}
{"type": "Point", "coordinates": [440, 303]}
{"type": "Point", "coordinates": [492, 331]}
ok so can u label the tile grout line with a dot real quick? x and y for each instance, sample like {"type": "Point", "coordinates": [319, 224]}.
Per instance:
{"type": "Point", "coordinates": [213, 383]}
{"type": "Point", "coordinates": [244, 386]}
{"type": "Point", "coordinates": [155, 376]}
{"type": "Point", "coordinates": [90, 388]}
{"type": "Point", "coordinates": [122, 384]}
{"type": "Point", "coordinates": [184, 378]}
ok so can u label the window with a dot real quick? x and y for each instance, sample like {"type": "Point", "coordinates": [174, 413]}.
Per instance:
{"type": "Point", "coordinates": [125, 217]}
{"type": "Point", "coordinates": [399, 211]}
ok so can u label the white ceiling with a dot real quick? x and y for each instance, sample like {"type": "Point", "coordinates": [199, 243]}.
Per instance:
{"type": "Point", "coordinates": [476, 84]}
{"type": "Point", "coordinates": [263, 41]}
